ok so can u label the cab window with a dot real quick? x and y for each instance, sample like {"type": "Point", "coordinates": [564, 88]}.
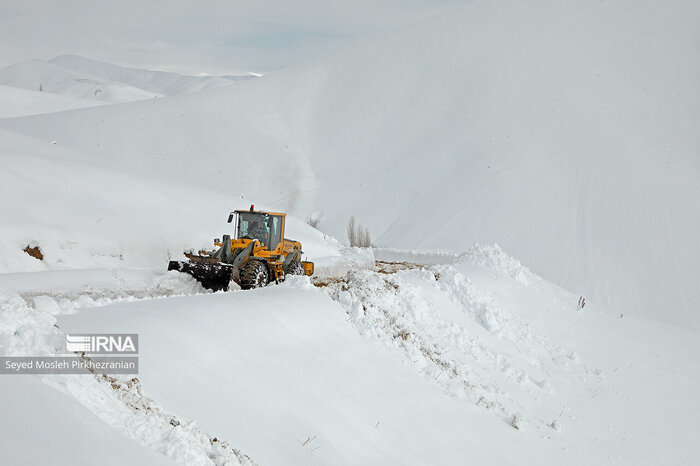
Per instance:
{"type": "Point", "coordinates": [275, 228]}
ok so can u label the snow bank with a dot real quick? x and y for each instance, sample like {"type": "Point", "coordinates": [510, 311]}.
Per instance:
{"type": "Point", "coordinates": [527, 354]}
{"type": "Point", "coordinates": [414, 256]}
{"type": "Point", "coordinates": [454, 333]}
{"type": "Point", "coordinates": [280, 372]}
{"type": "Point", "coordinates": [119, 402]}
{"type": "Point", "coordinates": [442, 364]}
{"type": "Point", "coordinates": [23, 332]}
{"type": "Point", "coordinates": [66, 291]}
{"type": "Point", "coordinates": [44, 426]}
{"type": "Point", "coordinates": [493, 256]}
{"type": "Point", "coordinates": [339, 265]}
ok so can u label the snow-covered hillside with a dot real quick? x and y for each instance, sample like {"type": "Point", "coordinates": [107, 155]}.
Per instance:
{"type": "Point", "coordinates": [75, 76]}
{"type": "Point", "coordinates": [84, 216]}
{"type": "Point", "coordinates": [16, 102]}
{"type": "Point", "coordinates": [562, 132]}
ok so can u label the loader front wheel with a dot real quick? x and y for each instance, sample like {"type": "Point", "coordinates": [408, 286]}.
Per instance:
{"type": "Point", "coordinates": [254, 274]}
{"type": "Point", "coordinates": [294, 268]}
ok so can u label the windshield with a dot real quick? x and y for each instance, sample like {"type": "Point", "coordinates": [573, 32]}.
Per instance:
{"type": "Point", "coordinates": [264, 227]}
{"type": "Point", "coordinates": [254, 226]}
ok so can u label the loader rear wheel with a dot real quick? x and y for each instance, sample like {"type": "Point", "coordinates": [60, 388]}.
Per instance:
{"type": "Point", "coordinates": [254, 274]}
{"type": "Point", "coordinates": [294, 268]}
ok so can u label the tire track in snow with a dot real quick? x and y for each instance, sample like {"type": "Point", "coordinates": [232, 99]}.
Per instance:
{"type": "Point", "coordinates": [70, 301]}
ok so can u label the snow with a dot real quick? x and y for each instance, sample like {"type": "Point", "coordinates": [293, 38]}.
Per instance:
{"type": "Point", "coordinates": [463, 129]}
{"type": "Point", "coordinates": [48, 77]}
{"type": "Point", "coordinates": [84, 227]}
{"type": "Point", "coordinates": [117, 402]}
{"type": "Point", "coordinates": [158, 82]}
{"type": "Point", "coordinates": [561, 134]}
{"type": "Point", "coordinates": [15, 102]}
{"type": "Point", "coordinates": [434, 363]}
{"type": "Point", "coordinates": [303, 374]}
{"type": "Point", "coordinates": [83, 78]}
{"type": "Point", "coordinates": [50, 428]}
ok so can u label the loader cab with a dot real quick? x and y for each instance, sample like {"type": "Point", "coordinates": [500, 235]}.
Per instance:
{"type": "Point", "coordinates": [266, 227]}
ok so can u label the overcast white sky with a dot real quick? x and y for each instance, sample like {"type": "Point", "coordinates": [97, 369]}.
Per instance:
{"type": "Point", "coordinates": [206, 36]}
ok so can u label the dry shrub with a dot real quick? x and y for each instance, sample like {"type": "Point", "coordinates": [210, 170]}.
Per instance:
{"type": "Point", "coordinates": [35, 252]}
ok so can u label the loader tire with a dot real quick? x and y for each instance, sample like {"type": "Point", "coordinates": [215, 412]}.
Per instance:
{"type": "Point", "coordinates": [294, 268]}
{"type": "Point", "coordinates": [254, 274]}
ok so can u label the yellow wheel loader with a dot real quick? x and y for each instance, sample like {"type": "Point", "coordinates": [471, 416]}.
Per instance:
{"type": "Point", "coordinates": [257, 254]}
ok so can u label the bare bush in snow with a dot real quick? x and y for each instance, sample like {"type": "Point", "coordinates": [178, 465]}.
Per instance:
{"type": "Point", "coordinates": [358, 236]}
{"type": "Point", "coordinates": [516, 421]}
{"type": "Point", "coordinates": [364, 240]}
{"type": "Point", "coordinates": [352, 232]}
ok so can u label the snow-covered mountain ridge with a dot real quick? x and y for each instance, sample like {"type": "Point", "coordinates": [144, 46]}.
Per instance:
{"type": "Point", "coordinates": [79, 77]}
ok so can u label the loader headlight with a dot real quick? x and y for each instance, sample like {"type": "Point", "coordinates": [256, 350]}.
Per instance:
{"type": "Point", "coordinates": [217, 240]}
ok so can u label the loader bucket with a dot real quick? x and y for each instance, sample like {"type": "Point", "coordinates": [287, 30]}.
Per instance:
{"type": "Point", "coordinates": [213, 276]}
